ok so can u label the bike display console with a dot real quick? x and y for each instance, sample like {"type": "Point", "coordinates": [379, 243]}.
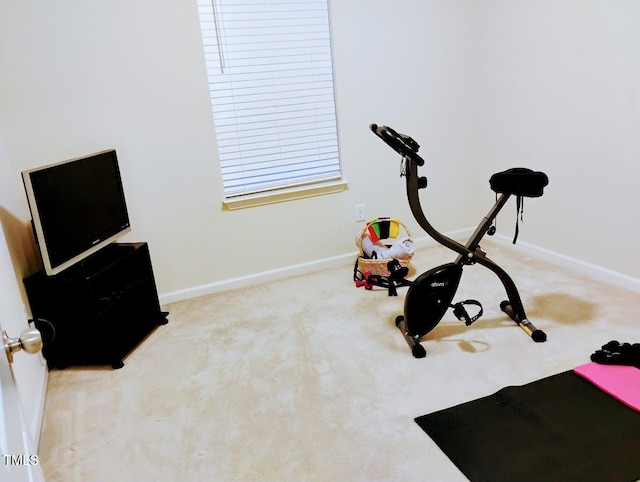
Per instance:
{"type": "Point", "coordinates": [97, 311]}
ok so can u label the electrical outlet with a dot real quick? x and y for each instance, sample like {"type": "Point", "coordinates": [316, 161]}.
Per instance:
{"type": "Point", "coordinates": [359, 212]}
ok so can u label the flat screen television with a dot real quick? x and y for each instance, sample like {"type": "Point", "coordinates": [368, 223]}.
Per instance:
{"type": "Point", "coordinates": [77, 208]}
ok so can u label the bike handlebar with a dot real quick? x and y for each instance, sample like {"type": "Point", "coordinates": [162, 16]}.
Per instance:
{"type": "Point", "coordinates": [402, 144]}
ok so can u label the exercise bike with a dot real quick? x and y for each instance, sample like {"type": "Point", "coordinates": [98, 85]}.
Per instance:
{"type": "Point", "coordinates": [430, 295]}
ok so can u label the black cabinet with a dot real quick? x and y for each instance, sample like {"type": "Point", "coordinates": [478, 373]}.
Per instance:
{"type": "Point", "coordinates": [99, 310]}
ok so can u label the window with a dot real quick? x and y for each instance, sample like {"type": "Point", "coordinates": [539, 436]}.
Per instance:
{"type": "Point", "coordinates": [271, 84]}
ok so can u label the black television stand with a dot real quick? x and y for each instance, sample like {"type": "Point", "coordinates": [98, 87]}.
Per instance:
{"type": "Point", "coordinates": [97, 311]}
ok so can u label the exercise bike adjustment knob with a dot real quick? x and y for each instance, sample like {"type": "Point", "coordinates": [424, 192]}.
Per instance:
{"type": "Point", "coordinates": [422, 182]}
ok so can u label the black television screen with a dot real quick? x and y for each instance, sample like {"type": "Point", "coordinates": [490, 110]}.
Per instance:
{"type": "Point", "coordinates": [77, 206]}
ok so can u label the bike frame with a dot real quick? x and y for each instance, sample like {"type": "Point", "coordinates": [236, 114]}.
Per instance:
{"type": "Point", "coordinates": [471, 252]}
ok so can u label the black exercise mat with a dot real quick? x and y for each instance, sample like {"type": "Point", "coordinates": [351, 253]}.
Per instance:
{"type": "Point", "coordinates": [560, 428]}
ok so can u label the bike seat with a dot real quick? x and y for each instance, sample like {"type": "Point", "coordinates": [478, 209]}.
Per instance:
{"type": "Point", "coordinates": [519, 181]}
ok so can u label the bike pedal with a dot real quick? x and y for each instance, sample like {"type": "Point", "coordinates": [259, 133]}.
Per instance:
{"type": "Point", "coordinates": [460, 312]}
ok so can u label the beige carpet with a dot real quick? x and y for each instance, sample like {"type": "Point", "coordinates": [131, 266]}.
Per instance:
{"type": "Point", "coordinates": [308, 379]}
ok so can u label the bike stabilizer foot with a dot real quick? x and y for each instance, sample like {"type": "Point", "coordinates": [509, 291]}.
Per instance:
{"type": "Point", "coordinates": [417, 349]}
{"type": "Point", "coordinates": [528, 327]}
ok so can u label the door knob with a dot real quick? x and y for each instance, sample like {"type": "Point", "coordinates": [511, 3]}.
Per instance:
{"type": "Point", "coordinates": [29, 341]}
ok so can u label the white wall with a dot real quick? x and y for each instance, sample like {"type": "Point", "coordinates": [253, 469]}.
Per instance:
{"type": "Point", "coordinates": [559, 86]}
{"type": "Point", "coordinates": [84, 76]}
{"type": "Point", "coordinates": [486, 85]}
{"type": "Point", "coordinates": [409, 65]}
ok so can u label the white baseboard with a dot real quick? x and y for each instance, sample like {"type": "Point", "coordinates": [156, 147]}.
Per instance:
{"type": "Point", "coordinates": [257, 278]}
{"type": "Point", "coordinates": [347, 259]}
{"type": "Point", "coordinates": [577, 265]}
{"type": "Point", "coordinates": [344, 260]}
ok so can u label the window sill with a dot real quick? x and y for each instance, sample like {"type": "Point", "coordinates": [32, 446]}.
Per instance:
{"type": "Point", "coordinates": [282, 195]}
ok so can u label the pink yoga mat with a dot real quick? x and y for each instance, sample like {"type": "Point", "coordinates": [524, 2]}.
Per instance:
{"type": "Point", "coordinates": [621, 382]}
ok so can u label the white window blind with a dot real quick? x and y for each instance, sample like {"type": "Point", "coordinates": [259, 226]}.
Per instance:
{"type": "Point", "coordinates": [271, 83]}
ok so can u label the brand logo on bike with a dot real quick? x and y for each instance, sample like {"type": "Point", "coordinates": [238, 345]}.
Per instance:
{"type": "Point", "coordinates": [438, 284]}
